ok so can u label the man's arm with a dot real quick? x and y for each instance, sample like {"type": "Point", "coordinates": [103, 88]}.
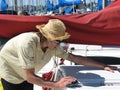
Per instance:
{"type": "Point", "coordinates": [88, 62]}
{"type": "Point", "coordinates": [34, 79]}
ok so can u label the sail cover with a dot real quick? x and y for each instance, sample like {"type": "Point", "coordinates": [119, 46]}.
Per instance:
{"type": "Point", "coordinates": [69, 2]}
{"type": "Point", "coordinates": [98, 28]}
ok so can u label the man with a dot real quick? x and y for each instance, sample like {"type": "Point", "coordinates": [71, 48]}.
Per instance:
{"type": "Point", "coordinates": [25, 54]}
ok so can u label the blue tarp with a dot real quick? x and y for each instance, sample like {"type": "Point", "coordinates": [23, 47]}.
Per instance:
{"type": "Point", "coordinates": [4, 5]}
{"type": "Point", "coordinates": [50, 6]}
{"type": "Point", "coordinates": [69, 2]}
{"type": "Point", "coordinates": [100, 2]}
{"type": "Point", "coordinates": [68, 10]}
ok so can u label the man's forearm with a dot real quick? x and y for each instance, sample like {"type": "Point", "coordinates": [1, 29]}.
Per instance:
{"type": "Point", "coordinates": [85, 61]}
{"type": "Point", "coordinates": [41, 82]}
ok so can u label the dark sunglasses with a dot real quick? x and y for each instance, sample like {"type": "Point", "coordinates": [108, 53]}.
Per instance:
{"type": "Point", "coordinates": [58, 41]}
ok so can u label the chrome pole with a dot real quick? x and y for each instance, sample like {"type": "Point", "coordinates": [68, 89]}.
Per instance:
{"type": "Point", "coordinates": [103, 4]}
{"type": "Point", "coordinates": [15, 5]}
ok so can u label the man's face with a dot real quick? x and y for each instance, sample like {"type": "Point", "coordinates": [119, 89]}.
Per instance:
{"type": "Point", "coordinates": [53, 44]}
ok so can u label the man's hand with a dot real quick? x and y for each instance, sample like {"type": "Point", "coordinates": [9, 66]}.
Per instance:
{"type": "Point", "coordinates": [110, 68]}
{"type": "Point", "coordinates": [65, 81]}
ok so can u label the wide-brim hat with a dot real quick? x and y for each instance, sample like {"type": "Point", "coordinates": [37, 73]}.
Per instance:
{"type": "Point", "coordinates": [53, 30]}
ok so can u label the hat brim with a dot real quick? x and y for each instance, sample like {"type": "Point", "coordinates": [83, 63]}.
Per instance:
{"type": "Point", "coordinates": [49, 36]}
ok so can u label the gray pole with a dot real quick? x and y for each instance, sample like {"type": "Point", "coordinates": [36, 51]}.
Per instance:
{"type": "Point", "coordinates": [15, 5]}
{"type": "Point", "coordinates": [103, 3]}
{"type": "Point", "coordinates": [73, 7]}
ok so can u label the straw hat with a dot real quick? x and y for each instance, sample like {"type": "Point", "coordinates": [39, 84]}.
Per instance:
{"type": "Point", "coordinates": [53, 30]}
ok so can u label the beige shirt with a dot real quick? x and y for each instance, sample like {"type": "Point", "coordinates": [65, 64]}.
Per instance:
{"type": "Point", "coordinates": [24, 52]}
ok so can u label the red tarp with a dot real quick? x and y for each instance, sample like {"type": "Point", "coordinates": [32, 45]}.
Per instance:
{"type": "Point", "coordinates": [99, 28]}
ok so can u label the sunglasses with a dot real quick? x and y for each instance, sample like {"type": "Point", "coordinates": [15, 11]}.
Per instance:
{"type": "Point", "coordinates": [58, 41]}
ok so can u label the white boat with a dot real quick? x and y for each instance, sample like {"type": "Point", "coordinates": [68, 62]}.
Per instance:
{"type": "Point", "coordinates": [90, 78]}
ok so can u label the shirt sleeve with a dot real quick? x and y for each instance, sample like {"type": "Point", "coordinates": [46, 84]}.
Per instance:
{"type": "Point", "coordinates": [60, 52]}
{"type": "Point", "coordinates": [26, 52]}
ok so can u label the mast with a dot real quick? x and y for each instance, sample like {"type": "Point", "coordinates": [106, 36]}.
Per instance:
{"type": "Point", "coordinates": [103, 4]}
{"type": "Point", "coordinates": [84, 2]}
{"type": "Point", "coordinates": [73, 7]}
{"type": "Point", "coordinates": [15, 5]}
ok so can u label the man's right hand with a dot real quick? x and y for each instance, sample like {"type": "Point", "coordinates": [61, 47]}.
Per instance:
{"type": "Point", "coordinates": [63, 82]}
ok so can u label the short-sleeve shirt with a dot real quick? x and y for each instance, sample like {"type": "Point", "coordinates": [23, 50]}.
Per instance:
{"type": "Point", "coordinates": [24, 52]}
